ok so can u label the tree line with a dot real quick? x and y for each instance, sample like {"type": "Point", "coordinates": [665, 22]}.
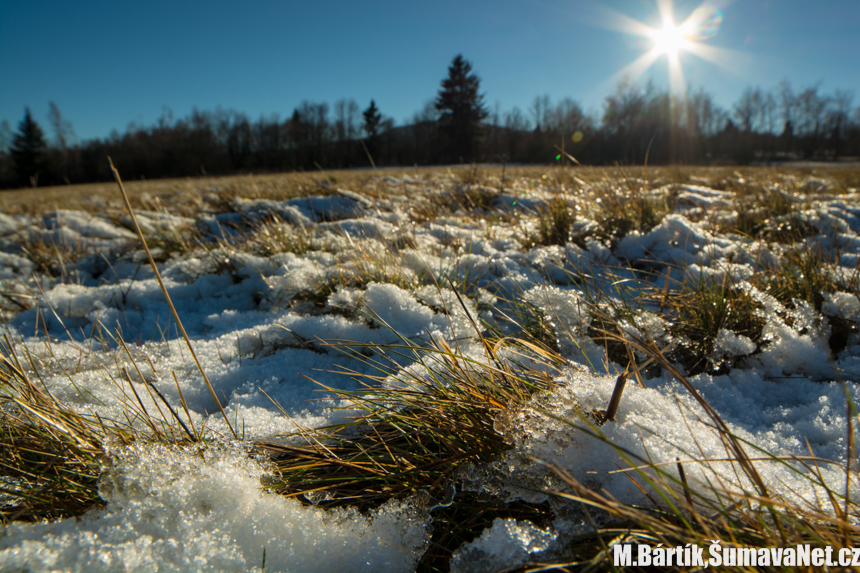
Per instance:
{"type": "Point", "coordinates": [637, 121]}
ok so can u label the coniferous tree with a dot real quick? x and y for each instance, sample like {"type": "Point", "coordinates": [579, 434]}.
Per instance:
{"type": "Point", "coordinates": [462, 110]}
{"type": "Point", "coordinates": [28, 150]}
{"type": "Point", "coordinates": [5, 137]}
{"type": "Point", "coordinates": [372, 119]}
{"type": "Point", "coordinates": [297, 132]}
{"type": "Point", "coordinates": [372, 124]}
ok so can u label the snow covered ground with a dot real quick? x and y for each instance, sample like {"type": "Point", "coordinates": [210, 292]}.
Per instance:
{"type": "Point", "coordinates": [264, 286]}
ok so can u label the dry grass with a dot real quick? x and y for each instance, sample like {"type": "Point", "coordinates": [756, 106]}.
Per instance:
{"type": "Point", "coordinates": [554, 226]}
{"type": "Point", "coordinates": [418, 428]}
{"type": "Point", "coordinates": [53, 258]}
{"type": "Point", "coordinates": [806, 273]}
{"type": "Point", "coordinates": [416, 431]}
{"type": "Point", "coordinates": [681, 515]}
{"type": "Point", "coordinates": [49, 455]}
{"type": "Point", "coordinates": [415, 434]}
{"type": "Point", "coordinates": [699, 309]}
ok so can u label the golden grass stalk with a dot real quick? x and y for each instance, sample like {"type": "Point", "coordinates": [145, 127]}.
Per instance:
{"type": "Point", "coordinates": [168, 299]}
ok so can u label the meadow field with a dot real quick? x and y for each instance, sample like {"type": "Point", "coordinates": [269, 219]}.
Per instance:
{"type": "Point", "coordinates": [475, 368]}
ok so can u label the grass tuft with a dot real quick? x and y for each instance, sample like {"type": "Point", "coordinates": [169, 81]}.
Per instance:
{"type": "Point", "coordinates": [416, 429]}
{"type": "Point", "coordinates": [699, 310]}
{"type": "Point", "coordinates": [555, 223]}
{"type": "Point", "coordinates": [49, 455]}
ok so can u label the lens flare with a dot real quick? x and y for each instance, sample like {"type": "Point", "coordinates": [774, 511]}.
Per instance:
{"type": "Point", "coordinates": [704, 23]}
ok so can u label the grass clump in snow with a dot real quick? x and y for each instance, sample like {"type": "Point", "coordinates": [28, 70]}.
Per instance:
{"type": "Point", "coordinates": [419, 424]}
{"type": "Point", "coordinates": [49, 455]}
{"type": "Point", "coordinates": [472, 197]}
{"type": "Point", "coordinates": [55, 258]}
{"type": "Point", "coordinates": [416, 428]}
{"type": "Point", "coordinates": [806, 273]}
{"type": "Point", "coordinates": [703, 307]}
{"type": "Point", "coordinates": [171, 242]}
{"type": "Point", "coordinates": [621, 210]}
{"type": "Point", "coordinates": [273, 236]}
{"type": "Point", "coordinates": [554, 224]}
{"type": "Point", "coordinates": [373, 261]}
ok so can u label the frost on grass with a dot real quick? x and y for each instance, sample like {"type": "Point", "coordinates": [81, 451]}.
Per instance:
{"type": "Point", "coordinates": [177, 509]}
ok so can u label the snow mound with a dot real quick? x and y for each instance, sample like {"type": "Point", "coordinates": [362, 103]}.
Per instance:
{"type": "Point", "coordinates": [505, 545]}
{"type": "Point", "coordinates": [662, 423]}
{"type": "Point", "coordinates": [179, 510]}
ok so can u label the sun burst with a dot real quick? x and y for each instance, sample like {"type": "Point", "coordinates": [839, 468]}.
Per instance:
{"type": "Point", "coordinates": [671, 40]}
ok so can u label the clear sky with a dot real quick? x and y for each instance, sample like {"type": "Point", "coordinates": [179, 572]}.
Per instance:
{"type": "Point", "coordinates": [107, 64]}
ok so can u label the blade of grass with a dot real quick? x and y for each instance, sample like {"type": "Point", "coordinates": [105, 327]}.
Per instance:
{"type": "Point", "coordinates": [163, 288]}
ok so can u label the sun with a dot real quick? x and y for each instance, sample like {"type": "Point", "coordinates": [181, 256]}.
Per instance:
{"type": "Point", "coordinates": [670, 39]}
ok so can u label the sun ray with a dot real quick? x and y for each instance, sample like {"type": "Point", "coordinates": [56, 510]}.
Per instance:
{"type": "Point", "coordinates": [639, 66]}
{"type": "Point", "coordinates": [718, 56]}
{"type": "Point", "coordinates": [632, 71]}
{"type": "Point", "coordinates": [677, 84]}
{"type": "Point", "coordinates": [665, 8]}
{"type": "Point", "coordinates": [671, 40]}
{"type": "Point", "coordinates": [611, 19]}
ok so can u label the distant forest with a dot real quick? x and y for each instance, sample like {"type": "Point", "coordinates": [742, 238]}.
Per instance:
{"type": "Point", "coordinates": [456, 127]}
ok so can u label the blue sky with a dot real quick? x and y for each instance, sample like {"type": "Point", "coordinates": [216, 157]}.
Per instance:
{"type": "Point", "coordinates": [107, 64]}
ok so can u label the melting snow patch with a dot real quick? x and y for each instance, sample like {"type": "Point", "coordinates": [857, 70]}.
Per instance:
{"type": "Point", "coordinates": [842, 304]}
{"type": "Point", "coordinates": [662, 423]}
{"type": "Point", "coordinates": [327, 208]}
{"type": "Point", "coordinates": [504, 546]}
{"type": "Point", "coordinates": [180, 510]}
{"type": "Point", "coordinates": [731, 345]}
{"type": "Point", "coordinates": [258, 325]}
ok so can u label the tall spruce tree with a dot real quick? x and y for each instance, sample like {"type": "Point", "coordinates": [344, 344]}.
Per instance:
{"type": "Point", "coordinates": [462, 111]}
{"type": "Point", "coordinates": [372, 119]}
{"type": "Point", "coordinates": [29, 150]}
{"type": "Point", "coordinates": [372, 124]}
